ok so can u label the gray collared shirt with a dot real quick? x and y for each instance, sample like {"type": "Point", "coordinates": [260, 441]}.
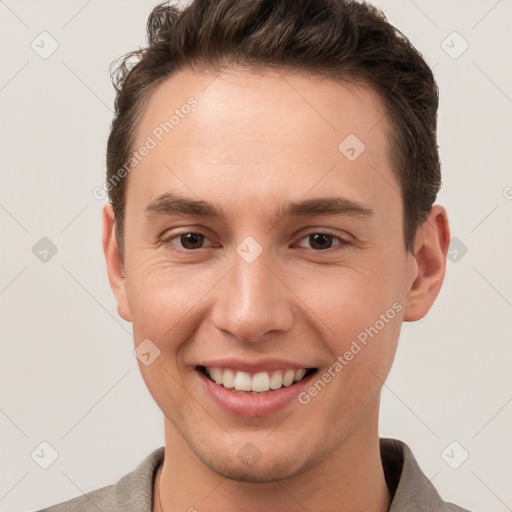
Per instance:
{"type": "Point", "coordinates": [412, 491]}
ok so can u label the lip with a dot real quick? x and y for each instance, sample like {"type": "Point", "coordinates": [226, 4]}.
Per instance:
{"type": "Point", "coordinates": [263, 365]}
{"type": "Point", "coordinates": [253, 406]}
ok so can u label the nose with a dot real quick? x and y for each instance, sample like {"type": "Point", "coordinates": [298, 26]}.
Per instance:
{"type": "Point", "coordinates": [253, 300]}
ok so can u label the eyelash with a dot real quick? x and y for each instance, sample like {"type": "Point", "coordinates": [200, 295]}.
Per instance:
{"type": "Point", "coordinates": [342, 242]}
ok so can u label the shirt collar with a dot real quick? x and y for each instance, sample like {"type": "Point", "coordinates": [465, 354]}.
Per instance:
{"type": "Point", "coordinates": [410, 488]}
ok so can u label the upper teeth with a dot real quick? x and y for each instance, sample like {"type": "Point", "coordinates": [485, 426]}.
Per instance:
{"type": "Point", "coordinates": [259, 382]}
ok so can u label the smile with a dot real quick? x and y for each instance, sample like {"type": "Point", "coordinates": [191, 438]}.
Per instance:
{"type": "Point", "coordinates": [255, 383]}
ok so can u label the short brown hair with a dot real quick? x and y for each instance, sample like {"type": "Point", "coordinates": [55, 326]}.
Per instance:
{"type": "Point", "coordinates": [341, 39]}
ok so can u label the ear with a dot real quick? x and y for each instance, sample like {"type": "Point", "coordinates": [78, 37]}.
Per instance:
{"type": "Point", "coordinates": [115, 265]}
{"type": "Point", "coordinates": [428, 264]}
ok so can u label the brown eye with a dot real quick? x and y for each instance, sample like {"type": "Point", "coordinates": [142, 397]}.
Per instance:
{"type": "Point", "coordinates": [191, 241]}
{"type": "Point", "coordinates": [323, 241]}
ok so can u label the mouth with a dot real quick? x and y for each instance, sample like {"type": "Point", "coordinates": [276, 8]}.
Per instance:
{"type": "Point", "coordinates": [256, 383]}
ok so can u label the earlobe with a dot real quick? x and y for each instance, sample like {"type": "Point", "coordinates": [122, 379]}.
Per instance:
{"type": "Point", "coordinates": [115, 265]}
{"type": "Point", "coordinates": [429, 263]}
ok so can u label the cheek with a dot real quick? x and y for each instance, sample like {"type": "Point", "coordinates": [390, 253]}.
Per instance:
{"type": "Point", "coordinates": [363, 348]}
{"type": "Point", "coordinates": [352, 297]}
{"type": "Point", "coordinates": [163, 298]}
{"type": "Point", "coordinates": [361, 305]}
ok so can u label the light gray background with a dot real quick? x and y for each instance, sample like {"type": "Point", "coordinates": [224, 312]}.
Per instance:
{"type": "Point", "coordinates": [68, 374]}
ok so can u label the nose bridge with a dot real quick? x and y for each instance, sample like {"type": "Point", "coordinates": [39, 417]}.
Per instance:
{"type": "Point", "coordinates": [252, 299]}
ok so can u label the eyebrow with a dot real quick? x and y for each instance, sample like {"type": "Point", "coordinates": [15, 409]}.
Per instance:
{"type": "Point", "coordinates": [172, 204]}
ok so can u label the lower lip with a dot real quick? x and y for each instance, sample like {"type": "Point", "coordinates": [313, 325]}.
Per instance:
{"type": "Point", "coordinates": [253, 405]}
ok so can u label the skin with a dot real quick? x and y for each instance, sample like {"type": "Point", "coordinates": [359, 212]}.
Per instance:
{"type": "Point", "coordinates": [253, 143]}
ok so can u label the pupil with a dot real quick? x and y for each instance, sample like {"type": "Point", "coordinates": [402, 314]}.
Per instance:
{"type": "Point", "coordinates": [191, 239]}
{"type": "Point", "coordinates": [320, 237]}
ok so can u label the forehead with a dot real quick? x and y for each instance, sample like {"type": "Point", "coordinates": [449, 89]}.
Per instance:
{"type": "Point", "coordinates": [258, 132]}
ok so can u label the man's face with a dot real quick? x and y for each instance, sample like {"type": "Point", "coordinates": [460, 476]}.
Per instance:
{"type": "Point", "coordinates": [258, 291]}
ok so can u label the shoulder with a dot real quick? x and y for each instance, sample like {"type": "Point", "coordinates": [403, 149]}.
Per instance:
{"type": "Point", "coordinates": [102, 499]}
{"type": "Point", "coordinates": [134, 491]}
{"type": "Point", "coordinates": [410, 487]}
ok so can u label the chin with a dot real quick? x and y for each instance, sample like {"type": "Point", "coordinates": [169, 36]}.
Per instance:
{"type": "Point", "coordinates": [251, 465]}
{"type": "Point", "coordinates": [260, 473]}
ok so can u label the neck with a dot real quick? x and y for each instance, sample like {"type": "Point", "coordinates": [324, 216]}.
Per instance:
{"type": "Point", "coordinates": [350, 478]}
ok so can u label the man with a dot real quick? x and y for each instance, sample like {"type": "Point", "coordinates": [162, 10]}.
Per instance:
{"type": "Point", "coordinates": [272, 170]}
